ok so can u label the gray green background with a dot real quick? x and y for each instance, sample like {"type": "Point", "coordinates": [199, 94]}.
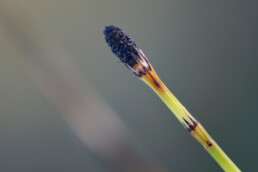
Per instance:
{"type": "Point", "coordinates": [205, 52]}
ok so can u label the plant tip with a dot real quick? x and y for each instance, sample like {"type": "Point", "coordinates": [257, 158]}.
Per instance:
{"type": "Point", "coordinates": [124, 47]}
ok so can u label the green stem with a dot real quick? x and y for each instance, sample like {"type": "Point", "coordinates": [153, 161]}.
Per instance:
{"type": "Point", "coordinates": [222, 159]}
{"type": "Point", "coordinates": [189, 122]}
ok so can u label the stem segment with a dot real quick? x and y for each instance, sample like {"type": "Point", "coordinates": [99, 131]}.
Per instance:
{"type": "Point", "coordinates": [188, 121]}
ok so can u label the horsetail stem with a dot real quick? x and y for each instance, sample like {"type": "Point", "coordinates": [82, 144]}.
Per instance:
{"type": "Point", "coordinates": [133, 58]}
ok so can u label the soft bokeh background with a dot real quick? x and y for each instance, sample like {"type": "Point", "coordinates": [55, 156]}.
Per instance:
{"type": "Point", "coordinates": [205, 51]}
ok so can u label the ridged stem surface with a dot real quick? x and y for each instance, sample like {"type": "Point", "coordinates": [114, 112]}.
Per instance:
{"type": "Point", "coordinates": [188, 121]}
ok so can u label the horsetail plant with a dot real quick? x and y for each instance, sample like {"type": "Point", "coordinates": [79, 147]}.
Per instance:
{"type": "Point", "coordinates": [134, 59]}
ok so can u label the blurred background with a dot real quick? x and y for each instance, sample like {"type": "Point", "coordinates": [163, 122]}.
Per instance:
{"type": "Point", "coordinates": [66, 104]}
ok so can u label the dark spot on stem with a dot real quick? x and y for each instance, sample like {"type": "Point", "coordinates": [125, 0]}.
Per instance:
{"type": "Point", "coordinates": [155, 80]}
{"type": "Point", "coordinates": [209, 143]}
{"type": "Point", "coordinates": [188, 126]}
{"type": "Point", "coordinates": [156, 83]}
{"type": "Point", "coordinates": [186, 121]}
